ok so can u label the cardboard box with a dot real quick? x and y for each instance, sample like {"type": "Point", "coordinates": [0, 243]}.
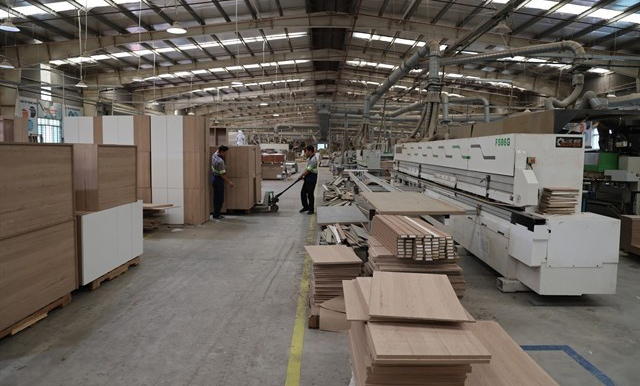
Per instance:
{"type": "Point", "coordinates": [36, 186]}
{"type": "Point", "coordinates": [38, 268]}
{"type": "Point", "coordinates": [104, 176]}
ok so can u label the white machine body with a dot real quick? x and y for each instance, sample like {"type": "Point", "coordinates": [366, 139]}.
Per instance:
{"type": "Point", "coordinates": [551, 254]}
{"type": "Point", "coordinates": [369, 158]}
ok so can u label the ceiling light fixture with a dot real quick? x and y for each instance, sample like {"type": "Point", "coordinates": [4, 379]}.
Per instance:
{"type": "Point", "coordinates": [276, 115]}
{"type": "Point", "coordinates": [5, 64]}
{"type": "Point", "coordinates": [81, 84]}
{"type": "Point", "coordinates": [8, 26]}
{"type": "Point", "coordinates": [137, 79]}
{"type": "Point", "coordinates": [502, 28]}
{"type": "Point", "coordinates": [176, 29]}
{"type": "Point", "coordinates": [264, 104]}
{"type": "Point", "coordinates": [236, 83]}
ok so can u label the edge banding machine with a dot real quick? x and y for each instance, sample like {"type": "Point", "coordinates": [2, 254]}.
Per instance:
{"type": "Point", "coordinates": [498, 180]}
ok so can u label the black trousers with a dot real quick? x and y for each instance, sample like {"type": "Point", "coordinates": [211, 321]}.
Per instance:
{"type": "Point", "coordinates": [218, 195]}
{"type": "Point", "coordinates": [308, 191]}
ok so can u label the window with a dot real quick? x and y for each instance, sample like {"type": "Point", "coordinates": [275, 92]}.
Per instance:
{"type": "Point", "coordinates": [49, 130]}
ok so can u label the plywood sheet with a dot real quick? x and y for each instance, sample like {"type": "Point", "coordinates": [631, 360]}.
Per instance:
{"type": "Point", "coordinates": [414, 297]}
{"type": "Point", "coordinates": [409, 203]}
{"type": "Point", "coordinates": [340, 215]}
{"type": "Point", "coordinates": [424, 344]}
{"type": "Point", "coordinates": [356, 310]}
{"type": "Point", "coordinates": [509, 365]}
{"type": "Point", "coordinates": [116, 176]}
{"type": "Point", "coordinates": [36, 268]}
{"type": "Point", "coordinates": [36, 186]}
{"type": "Point", "coordinates": [332, 254]}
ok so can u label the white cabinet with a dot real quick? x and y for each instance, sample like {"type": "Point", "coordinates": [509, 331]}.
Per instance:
{"type": "Point", "coordinates": [108, 239]}
{"type": "Point", "coordinates": [117, 130]}
{"type": "Point", "coordinates": [77, 129]}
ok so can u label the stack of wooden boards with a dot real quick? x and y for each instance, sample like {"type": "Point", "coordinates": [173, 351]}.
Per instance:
{"type": "Point", "coordinates": [273, 166]}
{"type": "Point", "coordinates": [410, 329]}
{"type": "Point", "coordinates": [331, 264]}
{"type": "Point", "coordinates": [558, 201]}
{"type": "Point", "coordinates": [337, 193]}
{"type": "Point", "coordinates": [243, 165]}
{"type": "Point", "coordinates": [406, 244]}
{"type": "Point", "coordinates": [38, 267]}
{"type": "Point", "coordinates": [630, 234]}
{"type": "Point", "coordinates": [153, 214]}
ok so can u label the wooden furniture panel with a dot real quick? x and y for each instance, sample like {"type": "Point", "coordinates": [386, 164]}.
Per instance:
{"type": "Point", "coordinates": [116, 176]}
{"type": "Point", "coordinates": [409, 203]}
{"type": "Point", "coordinates": [509, 365]}
{"type": "Point", "coordinates": [98, 132]}
{"type": "Point", "coordinates": [14, 129]}
{"type": "Point", "coordinates": [36, 268]}
{"type": "Point", "coordinates": [332, 254]}
{"type": "Point", "coordinates": [107, 239]}
{"type": "Point", "coordinates": [414, 297]}
{"type": "Point", "coordinates": [36, 186]}
{"type": "Point", "coordinates": [241, 196]}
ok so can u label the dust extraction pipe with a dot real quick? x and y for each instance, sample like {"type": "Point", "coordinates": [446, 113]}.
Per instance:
{"type": "Point", "coordinates": [445, 106]}
{"type": "Point", "coordinates": [577, 81]}
{"type": "Point", "coordinates": [590, 100]}
{"type": "Point", "coordinates": [414, 106]}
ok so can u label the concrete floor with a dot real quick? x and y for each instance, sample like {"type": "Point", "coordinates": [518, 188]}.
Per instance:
{"type": "Point", "coordinates": [215, 305]}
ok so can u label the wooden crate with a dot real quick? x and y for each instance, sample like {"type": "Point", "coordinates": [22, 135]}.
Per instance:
{"type": "Point", "coordinates": [36, 269]}
{"type": "Point", "coordinates": [105, 176]}
{"type": "Point", "coordinates": [36, 186]}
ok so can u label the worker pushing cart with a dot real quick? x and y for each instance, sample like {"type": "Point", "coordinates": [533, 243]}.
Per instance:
{"type": "Point", "coordinates": [310, 177]}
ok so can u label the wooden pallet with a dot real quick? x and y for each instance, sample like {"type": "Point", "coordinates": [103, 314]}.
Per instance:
{"type": "Point", "coordinates": [114, 273]}
{"type": "Point", "coordinates": [36, 316]}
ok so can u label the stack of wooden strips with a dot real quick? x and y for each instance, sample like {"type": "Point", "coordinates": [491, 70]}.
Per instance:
{"type": "Point", "coordinates": [412, 238]}
{"type": "Point", "coordinates": [331, 264]}
{"type": "Point", "coordinates": [381, 259]}
{"type": "Point", "coordinates": [153, 215]}
{"type": "Point", "coordinates": [558, 201]}
{"type": "Point", "coordinates": [409, 329]}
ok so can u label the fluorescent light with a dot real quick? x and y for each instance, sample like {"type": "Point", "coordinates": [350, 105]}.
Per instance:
{"type": "Point", "coordinates": [121, 54]}
{"type": "Point", "coordinates": [236, 83]}
{"type": "Point", "coordinates": [137, 78]}
{"type": "Point", "coordinates": [6, 65]}
{"type": "Point", "coordinates": [598, 70]}
{"type": "Point", "coordinates": [199, 72]}
{"type": "Point", "coordinates": [264, 104]}
{"type": "Point", "coordinates": [8, 26]}
{"type": "Point", "coordinates": [176, 29]}
{"type": "Point", "coordinates": [60, 6]}
{"type": "Point", "coordinates": [167, 76]}
{"type": "Point", "coordinates": [182, 74]}
{"type": "Point", "coordinates": [81, 84]}
{"type": "Point", "coordinates": [58, 62]}
{"type": "Point", "coordinates": [100, 57]}
{"type": "Point", "coordinates": [276, 115]}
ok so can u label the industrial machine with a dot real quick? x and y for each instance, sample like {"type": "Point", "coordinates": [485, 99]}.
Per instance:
{"type": "Point", "coordinates": [498, 179]}
{"type": "Point", "coordinates": [369, 158]}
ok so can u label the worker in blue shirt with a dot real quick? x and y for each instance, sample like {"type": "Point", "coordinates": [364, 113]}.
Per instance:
{"type": "Point", "coordinates": [219, 177]}
{"type": "Point", "coordinates": [310, 177]}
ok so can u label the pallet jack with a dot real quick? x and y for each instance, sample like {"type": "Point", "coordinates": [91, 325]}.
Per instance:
{"type": "Point", "coordinates": [270, 201]}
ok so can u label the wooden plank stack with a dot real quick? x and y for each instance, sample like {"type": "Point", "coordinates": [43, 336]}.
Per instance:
{"type": "Point", "coordinates": [337, 193]}
{"type": "Point", "coordinates": [412, 238]}
{"type": "Point", "coordinates": [409, 329]}
{"type": "Point", "coordinates": [352, 235]}
{"type": "Point", "coordinates": [558, 201]}
{"type": "Point", "coordinates": [331, 264]}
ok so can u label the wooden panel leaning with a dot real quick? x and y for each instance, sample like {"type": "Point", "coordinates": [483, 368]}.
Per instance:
{"type": "Point", "coordinates": [104, 176]}
{"type": "Point", "coordinates": [36, 187]}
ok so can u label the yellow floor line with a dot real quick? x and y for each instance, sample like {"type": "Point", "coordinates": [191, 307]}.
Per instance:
{"type": "Point", "coordinates": [297, 338]}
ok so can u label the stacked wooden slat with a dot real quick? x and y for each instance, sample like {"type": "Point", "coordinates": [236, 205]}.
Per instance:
{"type": "Point", "coordinates": [412, 238]}
{"type": "Point", "coordinates": [558, 201]}
{"type": "Point", "coordinates": [336, 192]}
{"type": "Point", "coordinates": [352, 235]}
{"type": "Point", "coordinates": [331, 264]}
{"type": "Point", "coordinates": [409, 329]}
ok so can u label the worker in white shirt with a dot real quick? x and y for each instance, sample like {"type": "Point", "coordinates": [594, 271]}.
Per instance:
{"type": "Point", "coordinates": [219, 177]}
{"type": "Point", "coordinates": [310, 177]}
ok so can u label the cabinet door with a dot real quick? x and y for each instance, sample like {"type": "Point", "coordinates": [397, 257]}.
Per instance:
{"type": "Point", "coordinates": [125, 130]}
{"type": "Point", "coordinates": [85, 130]}
{"type": "Point", "coordinates": [176, 197]}
{"type": "Point", "coordinates": [70, 129]}
{"type": "Point", "coordinates": [174, 133]}
{"type": "Point", "coordinates": [158, 153]}
{"type": "Point", "coordinates": [110, 130]}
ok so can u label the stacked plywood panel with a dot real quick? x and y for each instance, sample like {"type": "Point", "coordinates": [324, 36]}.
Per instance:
{"type": "Point", "coordinates": [104, 176]}
{"type": "Point", "coordinates": [37, 230]}
{"type": "Point", "coordinates": [558, 201]}
{"type": "Point", "coordinates": [409, 329]}
{"type": "Point", "coordinates": [142, 140]}
{"type": "Point", "coordinates": [630, 234]}
{"type": "Point", "coordinates": [179, 167]}
{"type": "Point", "coordinates": [331, 264]}
{"type": "Point", "coordinates": [243, 169]}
